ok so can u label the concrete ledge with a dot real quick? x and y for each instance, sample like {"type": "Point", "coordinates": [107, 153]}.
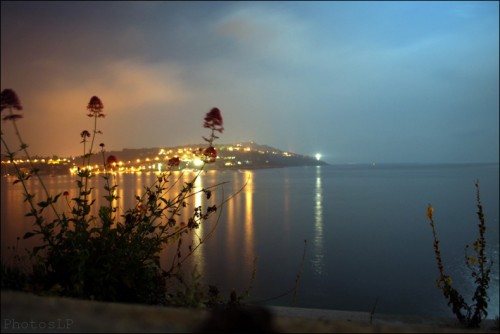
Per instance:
{"type": "Point", "coordinates": [27, 313]}
{"type": "Point", "coordinates": [296, 320]}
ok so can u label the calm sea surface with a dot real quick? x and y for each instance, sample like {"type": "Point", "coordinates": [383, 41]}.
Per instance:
{"type": "Point", "coordinates": [367, 236]}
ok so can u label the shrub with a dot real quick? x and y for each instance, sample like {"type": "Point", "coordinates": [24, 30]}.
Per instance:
{"type": "Point", "coordinates": [112, 256]}
{"type": "Point", "coordinates": [468, 315]}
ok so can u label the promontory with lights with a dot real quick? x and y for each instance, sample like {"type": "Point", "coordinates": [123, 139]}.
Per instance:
{"type": "Point", "coordinates": [246, 155]}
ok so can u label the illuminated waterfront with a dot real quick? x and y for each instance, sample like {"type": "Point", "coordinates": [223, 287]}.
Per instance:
{"type": "Point", "coordinates": [229, 156]}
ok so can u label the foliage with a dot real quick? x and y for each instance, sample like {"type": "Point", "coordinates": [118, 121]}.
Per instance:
{"type": "Point", "coordinates": [468, 315]}
{"type": "Point", "coordinates": [114, 255]}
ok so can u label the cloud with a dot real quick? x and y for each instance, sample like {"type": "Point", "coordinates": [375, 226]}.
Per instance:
{"type": "Point", "coordinates": [130, 91]}
{"type": "Point", "coordinates": [266, 35]}
{"type": "Point", "coordinates": [122, 85]}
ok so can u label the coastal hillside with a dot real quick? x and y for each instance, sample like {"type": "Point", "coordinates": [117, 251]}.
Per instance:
{"type": "Point", "coordinates": [246, 155]}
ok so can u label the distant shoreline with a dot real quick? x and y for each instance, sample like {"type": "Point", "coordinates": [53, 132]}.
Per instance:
{"type": "Point", "coordinates": [64, 169]}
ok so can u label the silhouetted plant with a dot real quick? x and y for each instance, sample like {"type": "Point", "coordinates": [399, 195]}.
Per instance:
{"type": "Point", "coordinates": [468, 315]}
{"type": "Point", "coordinates": [112, 257]}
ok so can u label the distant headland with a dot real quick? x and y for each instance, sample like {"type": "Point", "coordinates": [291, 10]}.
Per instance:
{"type": "Point", "coordinates": [245, 155]}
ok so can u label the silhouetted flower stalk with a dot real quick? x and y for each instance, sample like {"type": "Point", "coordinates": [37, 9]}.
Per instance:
{"type": "Point", "coordinates": [95, 110]}
{"type": "Point", "coordinates": [84, 134]}
{"type": "Point", "coordinates": [21, 178]}
{"type": "Point", "coordinates": [11, 102]}
{"type": "Point", "coordinates": [106, 215]}
{"type": "Point", "coordinates": [214, 122]}
{"type": "Point", "coordinates": [478, 266]}
{"type": "Point", "coordinates": [468, 315]}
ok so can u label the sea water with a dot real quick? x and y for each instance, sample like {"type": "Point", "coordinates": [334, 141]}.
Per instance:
{"type": "Point", "coordinates": [345, 237]}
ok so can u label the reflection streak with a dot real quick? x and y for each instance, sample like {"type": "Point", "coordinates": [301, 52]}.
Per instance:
{"type": "Point", "coordinates": [249, 242]}
{"type": "Point", "coordinates": [318, 224]}
{"type": "Point", "coordinates": [197, 236]}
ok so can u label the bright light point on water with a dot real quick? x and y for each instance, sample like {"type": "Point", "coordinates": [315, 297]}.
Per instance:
{"type": "Point", "coordinates": [318, 156]}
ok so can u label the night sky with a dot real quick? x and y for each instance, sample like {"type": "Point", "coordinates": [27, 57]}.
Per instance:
{"type": "Point", "coordinates": [358, 82]}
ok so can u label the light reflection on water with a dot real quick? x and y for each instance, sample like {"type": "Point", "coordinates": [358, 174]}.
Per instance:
{"type": "Point", "coordinates": [366, 231]}
{"type": "Point", "coordinates": [318, 260]}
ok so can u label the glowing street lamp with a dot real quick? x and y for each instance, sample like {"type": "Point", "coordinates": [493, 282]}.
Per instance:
{"type": "Point", "coordinates": [318, 156]}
